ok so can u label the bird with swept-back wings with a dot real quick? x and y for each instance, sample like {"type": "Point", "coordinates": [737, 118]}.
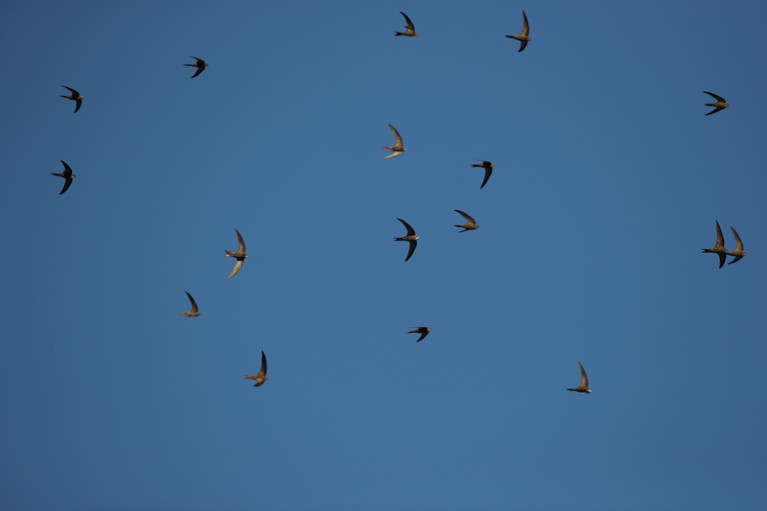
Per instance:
{"type": "Point", "coordinates": [470, 224]}
{"type": "Point", "coordinates": [398, 147]}
{"type": "Point", "coordinates": [195, 311]}
{"type": "Point", "coordinates": [423, 330]}
{"type": "Point", "coordinates": [584, 386]}
{"type": "Point", "coordinates": [738, 253]}
{"type": "Point", "coordinates": [411, 238]}
{"type": "Point", "coordinates": [199, 64]}
{"type": "Point", "coordinates": [524, 36]}
{"type": "Point", "coordinates": [718, 248]}
{"type": "Point", "coordinates": [261, 377]}
{"type": "Point", "coordinates": [74, 96]}
{"type": "Point", "coordinates": [720, 103]}
{"type": "Point", "coordinates": [240, 255]}
{"type": "Point", "coordinates": [488, 166]}
{"type": "Point", "coordinates": [409, 28]}
{"type": "Point", "coordinates": [68, 176]}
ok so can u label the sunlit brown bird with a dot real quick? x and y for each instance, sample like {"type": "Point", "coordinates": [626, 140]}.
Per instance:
{"type": "Point", "coordinates": [195, 310]}
{"type": "Point", "coordinates": [423, 330]}
{"type": "Point", "coordinates": [718, 248]}
{"type": "Point", "coordinates": [199, 64]}
{"type": "Point", "coordinates": [720, 104]}
{"type": "Point", "coordinates": [398, 147]}
{"type": "Point", "coordinates": [411, 238]}
{"type": "Point", "coordinates": [584, 386]}
{"type": "Point", "coordinates": [738, 253]}
{"type": "Point", "coordinates": [68, 176]}
{"type": "Point", "coordinates": [488, 166]}
{"type": "Point", "coordinates": [409, 29]}
{"type": "Point", "coordinates": [74, 96]}
{"type": "Point", "coordinates": [259, 378]}
{"type": "Point", "coordinates": [470, 224]}
{"type": "Point", "coordinates": [240, 255]}
{"type": "Point", "coordinates": [524, 36]}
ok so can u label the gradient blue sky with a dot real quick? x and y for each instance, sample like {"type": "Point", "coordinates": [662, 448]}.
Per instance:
{"type": "Point", "coordinates": [608, 181]}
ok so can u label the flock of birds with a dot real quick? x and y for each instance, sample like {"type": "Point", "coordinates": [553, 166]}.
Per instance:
{"type": "Point", "coordinates": [411, 237]}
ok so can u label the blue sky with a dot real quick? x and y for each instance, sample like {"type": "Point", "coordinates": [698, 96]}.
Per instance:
{"type": "Point", "coordinates": [608, 182]}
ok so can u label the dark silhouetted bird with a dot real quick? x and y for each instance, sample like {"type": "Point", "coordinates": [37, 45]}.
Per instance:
{"type": "Point", "coordinates": [199, 64]}
{"type": "Point", "coordinates": [738, 253]}
{"type": "Point", "coordinates": [240, 255]}
{"type": "Point", "coordinates": [470, 224]}
{"type": "Point", "coordinates": [259, 378]}
{"type": "Point", "coordinates": [584, 386]}
{"type": "Point", "coordinates": [409, 29]}
{"type": "Point", "coordinates": [411, 238]}
{"type": "Point", "coordinates": [195, 310]}
{"type": "Point", "coordinates": [524, 36]}
{"type": "Point", "coordinates": [68, 176]}
{"type": "Point", "coordinates": [423, 330]}
{"type": "Point", "coordinates": [488, 166]}
{"type": "Point", "coordinates": [74, 96]}
{"type": "Point", "coordinates": [720, 104]}
{"type": "Point", "coordinates": [719, 247]}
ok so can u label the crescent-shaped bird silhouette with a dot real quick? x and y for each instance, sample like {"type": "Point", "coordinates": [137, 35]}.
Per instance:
{"type": "Point", "coordinates": [738, 253]}
{"type": "Point", "coordinates": [260, 378]}
{"type": "Point", "coordinates": [68, 176]}
{"type": "Point", "coordinates": [398, 147]}
{"type": "Point", "coordinates": [470, 224]}
{"type": "Point", "coordinates": [240, 255]}
{"type": "Point", "coordinates": [584, 386]}
{"type": "Point", "coordinates": [74, 96]}
{"type": "Point", "coordinates": [524, 36]}
{"type": "Point", "coordinates": [411, 238]}
{"type": "Point", "coordinates": [488, 166]}
{"type": "Point", "coordinates": [409, 29]}
{"type": "Point", "coordinates": [720, 103]}
{"type": "Point", "coordinates": [718, 248]}
{"type": "Point", "coordinates": [423, 330]}
{"type": "Point", "coordinates": [195, 311]}
{"type": "Point", "coordinates": [199, 64]}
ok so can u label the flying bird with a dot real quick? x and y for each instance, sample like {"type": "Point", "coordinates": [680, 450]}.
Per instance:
{"type": "Point", "coordinates": [738, 253]}
{"type": "Point", "coordinates": [398, 147]}
{"type": "Point", "coordinates": [470, 224]}
{"type": "Point", "coordinates": [240, 255]}
{"type": "Point", "coordinates": [195, 310]}
{"type": "Point", "coordinates": [718, 248]}
{"type": "Point", "coordinates": [488, 166]}
{"type": "Point", "coordinates": [584, 386]}
{"type": "Point", "coordinates": [409, 29]}
{"type": "Point", "coordinates": [524, 36]}
{"type": "Point", "coordinates": [720, 104]}
{"type": "Point", "coordinates": [259, 378]}
{"type": "Point", "coordinates": [411, 238]}
{"type": "Point", "coordinates": [199, 64]}
{"type": "Point", "coordinates": [74, 96]}
{"type": "Point", "coordinates": [423, 330]}
{"type": "Point", "coordinates": [68, 176]}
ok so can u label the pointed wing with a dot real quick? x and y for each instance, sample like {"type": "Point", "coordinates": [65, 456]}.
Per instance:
{"type": "Point", "coordinates": [410, 25]}
{"type": "Point", "coordinates": [78, 104]}
{"type": "Point", "coordinates": [410, 230]}
{"type": "Point", "coordinates": [715, 110]}
{"type": "Point", "coordinates": [737, 258]}
{"type": "Point", "coordinates": [738, 243]}
{"type": "Point", "coordinates": [525, 27]}
{"type": "Point", "coordinates": [67, 184]}
{"type": "Point", "coordinates": [522, 46]}
{"type": "Point", "coordinates": [397, 137]}
{"type": "Point", "coordinates": [715, 96]}
{"type": "Point", "coordinates": [70, 89]}
{"type": "Point", "coordinates": [722, 257]}
{"type": "Point", "coordinates": [584, 378]}
{"type": "Point", "coordinates": [488, 171]}
{"type": "Point", "coordinates": [200, 69]}
{"type": "Point", "coordinates": [262, 372]}
{"type": "Point", "coordinates": [424, 333]}
{"type": "Point", "coordinates": [467, 217]}
{"type": "Point", "coordinates": [67, 169]}
{"type": "Point", "coordinates": [392, 155]}
{"type": "Point", "coordinates": [411, 250]}
{"type": "Point", "coordinates": [719, 235]}
{"type": "Point", "coordinates": [191, 300]}
{"type": "Point", "coordinates": [236, 269]}
{"type": "Point", "coordinates": [240, 241]}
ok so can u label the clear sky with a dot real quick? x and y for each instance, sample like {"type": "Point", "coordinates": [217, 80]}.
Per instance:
{"type": "Point", "coordinates": [609, 179]}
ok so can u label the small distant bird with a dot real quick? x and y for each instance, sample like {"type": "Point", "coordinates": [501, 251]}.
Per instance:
{"type": "Point", "coordinates": [68, 176]}
{"type": "Point", "coordinates": [524, 36]}
{"type": "Point", "coordinates": [488, 166]}
{"type": "Point", "coordinates": [423, 330]}
{"type": "Point", "coordinates": [584, 386]}
{"type": "Point", "coordinates": [240, 255]}
{"type": "Point", "coordinates": [199, 64]}
{"type": "Point", "coordinates": [195, 310]}
{"type": "Point", "coordinates": [470, 224]}
{"type": "Point", "coordinates": [409, 29]}
{"type": "Point", "coordinates": [398, 147]}
{"type": "Point", "coordinates": [738, 253]}
{"type": "Point", "coordinates": [411, 238]}
{"type": "Point", "coordinates": [720, 104]}
{"type": "Point", "coordinates": [719, 247]}
{"type": "Point", "coordinates": [74, 96]}
{"type": "Point", "coordinates": [259, 378]}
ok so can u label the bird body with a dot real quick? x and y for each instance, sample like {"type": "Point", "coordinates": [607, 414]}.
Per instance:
{"type": "Point", "coordinates": [470, 224]}
{"type": "Point", "coordinates": [488, 166]}
{"type": "Point", "coordinates": [718, 248]}
{"type": "Point", "coordinates": [524, 36]}
{"type": "Point", "coordinates": [409, 28]}
{"type": "Point", "coordinates": [74, 96]}
{"type": "Point", "coordinates": [260, 378]}
{"type": "Point", "coordinates": [423, 330]}
{"type": "Point", "coordinates": [411, 237]}
{"type": "Point", "coordinates": [240, 255]}
{"type": "Point", "coordinates": [720, 103]}
{"type": "Point", "coordinates": [398, 147]}
{"type": "Point", "coordinates": [195, 311]}
{"type": "Point", "coordinates": [584, 386]}
{"type": "Point", "coordinates": [199, 64]}
{"type": "Point", "coordinates": [68, 176]}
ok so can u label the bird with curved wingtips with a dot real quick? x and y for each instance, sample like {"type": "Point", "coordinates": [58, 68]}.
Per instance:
{"type": "Point", "coordinates": [584, 386]}
{"type": "Point", "coordinates": [240, 255]}
{"type": "Point", "coordinates": [398, 147]}
{"type": "Point", "coordinates": [199, 64]}
{"type": "Point", "coordinates": [68, 176]}
{"type": "Point", "coordinates": [74, 96]}
{"type": "Point", "coordinates": [409, 28]}
{"type": "Point", "coordinates": [470, 224]}
{"type": "Point", "coordinates": [423, 330]}
{"type": "Point", "coordinates": [720, 104]}
{"type": "Point", "coordinates": [738, 253]}
{"type": "Point", "coordinates": [411, 238]}
{"type": "Point", "coordinates": [261, 377]}
{"type": "Point", "coordinates": [195, 311]}
{"type": "Point", "coordinates": [524, 36]}
{"type": "Point", "coordinates": [488, 166]}
{"type": "Point", "coordinates": [718, 248]}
